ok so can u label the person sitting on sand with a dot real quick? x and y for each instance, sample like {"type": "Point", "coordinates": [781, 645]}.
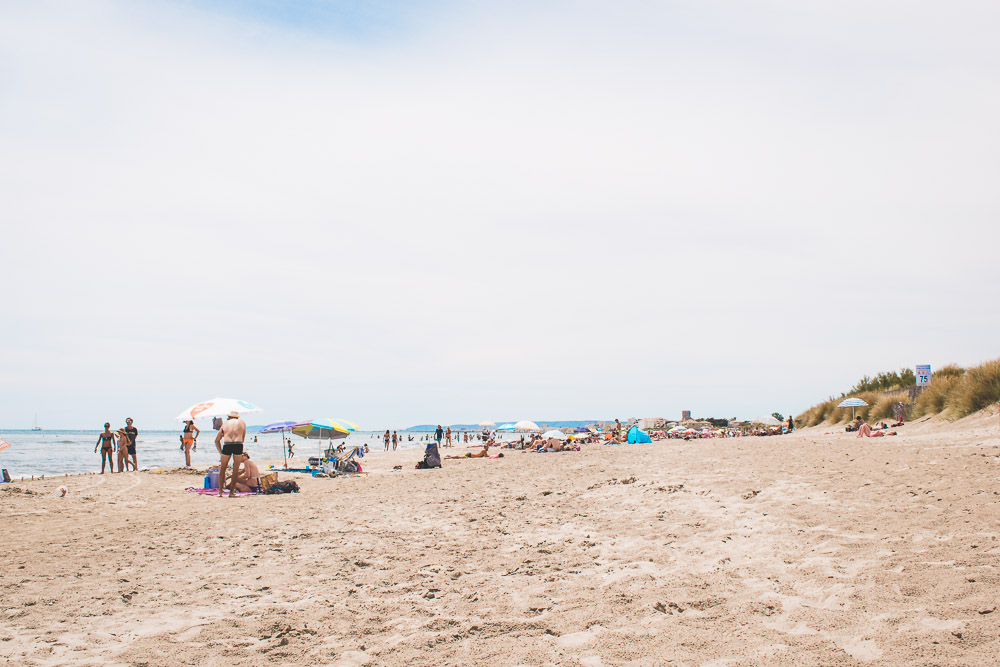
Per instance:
{"type": "Point", "coordinates": [483, 453]}
{"type": "Point", "coordinates": [246, 480]}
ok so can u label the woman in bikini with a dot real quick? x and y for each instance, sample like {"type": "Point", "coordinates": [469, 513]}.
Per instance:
{"type": "Point", "coordinates": [189, 441]}
{"type": "Point", "coordinates": [106, 441]}
{"type": "Point", "coordinates": [123, 461]}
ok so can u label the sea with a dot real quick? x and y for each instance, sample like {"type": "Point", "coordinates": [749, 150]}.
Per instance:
{"type": "Point", "coordinates": [61, 452]}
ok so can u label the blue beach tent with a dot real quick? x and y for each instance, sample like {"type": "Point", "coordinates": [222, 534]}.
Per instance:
{"type": "Point", "coordinates": [635, 435]}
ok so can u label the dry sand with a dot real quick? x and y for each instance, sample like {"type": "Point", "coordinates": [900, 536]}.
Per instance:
{"type": "Point", "coordinates": [800, 550]}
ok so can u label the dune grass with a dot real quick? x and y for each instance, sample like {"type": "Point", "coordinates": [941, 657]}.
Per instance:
{"type": "Point", "coordinates": [978, 388]}
{"type": "Point", "coordinates": [954, 392]}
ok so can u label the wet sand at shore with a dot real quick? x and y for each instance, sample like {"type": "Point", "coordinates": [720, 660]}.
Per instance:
{"type": "Point", "coordinates": [802, 549]}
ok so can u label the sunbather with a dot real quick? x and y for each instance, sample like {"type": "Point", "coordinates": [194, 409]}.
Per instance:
{"type": "Point", "coordinates": [481, 454]}
{"type": "Point", "coordinates": [865, 431]}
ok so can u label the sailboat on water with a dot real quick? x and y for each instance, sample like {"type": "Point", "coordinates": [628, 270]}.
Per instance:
{"type": "Point", "coordinates": [36, 427]}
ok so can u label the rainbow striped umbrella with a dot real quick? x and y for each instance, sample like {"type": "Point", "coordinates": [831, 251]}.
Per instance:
{"type": "Point", "coordinates": [324, 429]}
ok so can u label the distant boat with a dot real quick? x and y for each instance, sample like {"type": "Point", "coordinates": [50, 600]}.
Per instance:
{"type": "Point", "coordinates": [36, 427]}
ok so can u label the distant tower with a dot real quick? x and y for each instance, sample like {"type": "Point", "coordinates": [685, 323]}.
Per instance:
{"type": "Point", "coordinates": [685, 415]}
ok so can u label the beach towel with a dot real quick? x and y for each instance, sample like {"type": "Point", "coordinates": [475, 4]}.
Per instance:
{"type": "Point", "coordinates": [215, 492]}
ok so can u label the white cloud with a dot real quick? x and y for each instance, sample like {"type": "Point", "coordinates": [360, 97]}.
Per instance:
{"type": "Point", "coordinates": [517, 213]}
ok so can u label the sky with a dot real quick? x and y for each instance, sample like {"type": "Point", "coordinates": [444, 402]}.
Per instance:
{"type": "Point", "coordinates": [432, 212]}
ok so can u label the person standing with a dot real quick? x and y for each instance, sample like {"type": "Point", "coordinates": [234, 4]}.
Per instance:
{"type": "Point", "coordinates": [447, 435]}
{"type": "Point", "coordinates": [131, 433]}
{"type": "Point", "coordinates": [229, 442]}
{"type": "Point", "coordinates": [395, 440]}
{"type": "Point", "coordinates": [122, 456]}
{"type": "Point", "coordinates": [189, 441]}
{"type": "Point", "coordinates": [106, 441]}
{"type": "Point", "coordinates": [385, 439]}
{"type": "Point", "coordinates": [438, 435]}
{"type": "Point", "coordinates": [291, 449]}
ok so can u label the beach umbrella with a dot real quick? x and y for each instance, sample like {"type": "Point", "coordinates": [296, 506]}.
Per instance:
{"type": "Point", "coordinates": [505, 427]}
{"type": "Point", "coordinates": [766, 420]}
{"type": "Point", "coordinates": [852, 403]}
{"type": "Point", "coordinates": [324, 429]}
{"type": "Point", "coordinates": [581, 429]}
{"type": "Point", "coordinates": [526, 426]}
{"type": "Point", "coordinates": [487, 424]}
{"type": "Point", "coordinates": [3, 444]}
{"type": "Point", "coordinates": [282, 427]}
{"type": "Point", "coordinates": [558, 435]}
{"type": "Point", "coordinates": [217, 407]}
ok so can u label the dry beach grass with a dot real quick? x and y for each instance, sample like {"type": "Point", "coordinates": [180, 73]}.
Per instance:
{"type": "Point", "coordinates": [797, 550]}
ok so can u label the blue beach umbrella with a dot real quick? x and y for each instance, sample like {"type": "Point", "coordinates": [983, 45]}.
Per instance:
{"type": "Point", "coordinates": [280, 427]}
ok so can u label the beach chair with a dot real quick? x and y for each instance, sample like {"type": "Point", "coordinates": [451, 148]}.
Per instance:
{"type": "Point", "coordinates": [345, 463]}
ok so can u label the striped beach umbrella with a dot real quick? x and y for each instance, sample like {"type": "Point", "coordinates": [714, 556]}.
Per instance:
{"type": "Point", "coordinates": [852, 403]}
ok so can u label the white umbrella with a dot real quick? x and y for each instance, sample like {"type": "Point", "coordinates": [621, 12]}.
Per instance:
{"type": "Point", "coordinates": [766, 420]}
{"type": "Point", "coordinates": [558, 435]}
{"type": "Point", "coordinates": [852, 403]}
{"type": "Point", "coordinates": [487, 424]}
{"type": "Point", "coordinates": [526, 426]}
{"type": "Point", "coordinates": [217, 407]}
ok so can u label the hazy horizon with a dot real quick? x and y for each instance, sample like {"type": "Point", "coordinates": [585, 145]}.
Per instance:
{"type": "Point", "coordinates": [399, 213]}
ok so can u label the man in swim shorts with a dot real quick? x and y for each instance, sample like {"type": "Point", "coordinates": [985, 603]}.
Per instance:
{"type": "Point", "coordinates": [131, 433]}
{"type": "Point", "coordinates": [229, 442]}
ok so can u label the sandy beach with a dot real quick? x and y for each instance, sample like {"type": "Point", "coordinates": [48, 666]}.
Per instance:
{"type": "Point", "coordinates": [805, 549]}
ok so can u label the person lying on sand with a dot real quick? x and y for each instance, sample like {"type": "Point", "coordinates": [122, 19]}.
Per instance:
{"type": "Point", "coordinates": [481, 454]}
{"type": "Point", "coordinates": [550, 445]}
{"type": "Point", "coordinates": [865, 431]}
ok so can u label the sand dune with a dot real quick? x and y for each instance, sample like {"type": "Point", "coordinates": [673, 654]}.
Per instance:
{"type": "Point", "coordinates": [806, 549]}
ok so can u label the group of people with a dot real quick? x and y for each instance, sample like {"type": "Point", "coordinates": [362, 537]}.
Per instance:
{"type": "Point", "coordinates": [123, 441]}
{"type": "Point", "coordinates": [866, 431]}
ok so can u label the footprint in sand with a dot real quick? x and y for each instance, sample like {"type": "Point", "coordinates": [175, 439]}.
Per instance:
{"type": "Point", "coordinates": [859, 649]}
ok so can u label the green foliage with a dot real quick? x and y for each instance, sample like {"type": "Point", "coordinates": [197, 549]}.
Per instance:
{"type": "Point", "coordinates": [886, 381]}
{"type": "Point", "coordinates": [978, 388]}
{"type": "Point", "coordinates": [953, 391]}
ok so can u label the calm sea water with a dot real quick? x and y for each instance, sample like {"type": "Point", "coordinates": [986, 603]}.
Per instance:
{"type": "Point", "coordinates": [60, 452]}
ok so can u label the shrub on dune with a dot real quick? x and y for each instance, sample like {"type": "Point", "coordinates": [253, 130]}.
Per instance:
{"type": "Point", "coordinates": [978, 388]}
{"type": "Point", "coordinates": [933, 397]}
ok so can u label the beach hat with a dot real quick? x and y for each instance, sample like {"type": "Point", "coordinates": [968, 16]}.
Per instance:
{"type": "Point", "coordinates": [233, 415]}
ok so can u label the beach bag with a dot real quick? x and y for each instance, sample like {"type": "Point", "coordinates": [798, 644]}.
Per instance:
{"type": "Point", "coordinates": [6, 476]}
{"type": "Point", "coordinates": [267, 481]}
{"type": "Point", "coordinates": [290, 486]}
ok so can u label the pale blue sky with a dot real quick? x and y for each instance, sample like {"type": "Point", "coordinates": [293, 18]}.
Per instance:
{"type": "Point", "coordinates": [446, 212]}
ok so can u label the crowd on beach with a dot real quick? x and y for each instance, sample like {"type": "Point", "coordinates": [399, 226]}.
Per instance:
{"type": "Point", "coordinates": [244, 474]}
